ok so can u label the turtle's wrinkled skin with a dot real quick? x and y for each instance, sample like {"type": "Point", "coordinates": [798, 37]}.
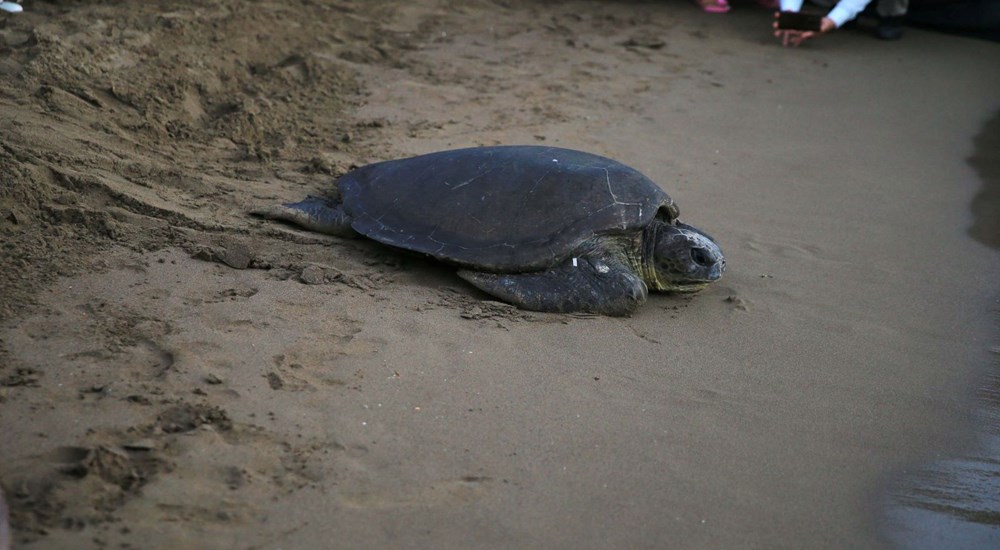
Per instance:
{"type": "Point", "coordinates": [543, 228]}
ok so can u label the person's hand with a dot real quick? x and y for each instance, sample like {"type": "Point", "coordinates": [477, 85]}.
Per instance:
{"type": "Point", "coordinates": [791, 37]}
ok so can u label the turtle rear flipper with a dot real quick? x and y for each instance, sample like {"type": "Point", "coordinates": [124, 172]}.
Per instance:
{"type": "Point", "coordinates": [582, 284]}
{"type": "Point", "coordinates": [317, 214]}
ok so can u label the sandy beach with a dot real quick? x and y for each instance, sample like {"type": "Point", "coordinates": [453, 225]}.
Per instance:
{"type": "Point", "coordinates": [175, 373]}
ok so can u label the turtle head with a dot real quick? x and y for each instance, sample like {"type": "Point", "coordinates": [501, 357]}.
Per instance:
{"type": "Point", "coordinates": [680, 258]}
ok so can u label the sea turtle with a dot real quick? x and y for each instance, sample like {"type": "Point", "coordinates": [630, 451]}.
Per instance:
{"type": "Point", "coordinates": [544, 228]}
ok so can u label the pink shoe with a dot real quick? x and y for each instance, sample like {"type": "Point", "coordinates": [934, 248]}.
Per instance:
{"type": "Point", "coordinates": [713, 6]}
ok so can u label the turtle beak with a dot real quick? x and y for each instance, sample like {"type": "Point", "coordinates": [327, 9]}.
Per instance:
{"type": "Point", "coordinates": [710, 259]}
{"type": "Point", "coordinates": [684, 259]}
{"type": "Point", "coordinates": [705, 254]}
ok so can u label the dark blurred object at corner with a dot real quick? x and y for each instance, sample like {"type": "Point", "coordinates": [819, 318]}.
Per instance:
{"type": "Point", "coordinates": [4, 524]}
{"type": "Point", "coordinates": [977, 18]}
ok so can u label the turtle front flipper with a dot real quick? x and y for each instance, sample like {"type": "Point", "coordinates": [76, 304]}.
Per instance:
{"type": "Point", "coordinates": [317, 214]}
{"type": "Point", "coordinates": [582, 284]}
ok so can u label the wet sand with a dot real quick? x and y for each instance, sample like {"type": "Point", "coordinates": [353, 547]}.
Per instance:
{"type": "Point", "coordinates": [953, 502]}
{"type": "Point", "coordinates": [176, 373]}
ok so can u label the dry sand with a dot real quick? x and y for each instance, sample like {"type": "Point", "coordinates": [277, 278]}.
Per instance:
{"type": "Point", "coordinates": [176, 374]}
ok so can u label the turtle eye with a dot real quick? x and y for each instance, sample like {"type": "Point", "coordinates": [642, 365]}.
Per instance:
{"type": "Point", "coordinates": [700, 256]}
